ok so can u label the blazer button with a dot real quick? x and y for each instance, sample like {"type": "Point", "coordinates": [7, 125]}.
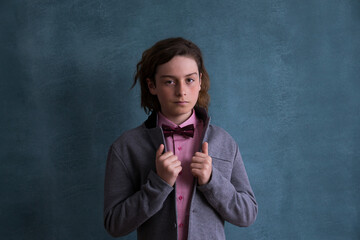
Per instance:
{"type": "Point", "coordinates": [174, 225]}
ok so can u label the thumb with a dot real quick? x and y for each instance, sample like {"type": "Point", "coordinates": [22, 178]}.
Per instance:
{"type": "Point", "coordinates": [205, 148]}
{"type": "Point", "coordinates": [160, 150]}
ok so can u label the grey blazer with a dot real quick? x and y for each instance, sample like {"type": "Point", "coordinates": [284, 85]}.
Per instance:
{"type": "Point", "coordinates": [136, 198]}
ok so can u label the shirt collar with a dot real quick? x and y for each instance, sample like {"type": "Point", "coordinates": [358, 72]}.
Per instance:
{"type": "Point", "coordinates": [164, 120]}
{"type": "Point", "coordinates": [201, 115]}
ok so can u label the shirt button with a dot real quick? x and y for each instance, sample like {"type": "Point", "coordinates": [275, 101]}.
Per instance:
{"type": "Point", "coordinates": [179, 148]}
{"type": "Point", "coordinates": [181, 225]}
{"type": "Point", "coordinates": [180, 197]}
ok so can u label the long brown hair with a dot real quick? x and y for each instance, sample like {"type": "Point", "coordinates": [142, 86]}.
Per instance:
{"type": "Point", "coordinates": [162, 52]}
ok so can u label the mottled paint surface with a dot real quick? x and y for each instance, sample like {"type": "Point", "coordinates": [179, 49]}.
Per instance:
{"type": "Point", "coordinates": [285, 82]}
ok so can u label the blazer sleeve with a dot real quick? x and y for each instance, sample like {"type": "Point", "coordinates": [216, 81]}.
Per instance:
{"type": "Point", "coordinates": [125, 207]}
{"type": "Point", "coordinates": [232, 198]}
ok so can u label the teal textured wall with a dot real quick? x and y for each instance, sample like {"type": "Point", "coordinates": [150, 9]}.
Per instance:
{"type": "Point", "coordinates": [285, 81]}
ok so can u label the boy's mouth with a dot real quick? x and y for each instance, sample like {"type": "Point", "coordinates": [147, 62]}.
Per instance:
{"type": "Point", "coordinates": [181, 102]}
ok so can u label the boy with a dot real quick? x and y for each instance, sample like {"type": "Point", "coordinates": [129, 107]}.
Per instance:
{"type": "Point", "coordinates": [158, 182]}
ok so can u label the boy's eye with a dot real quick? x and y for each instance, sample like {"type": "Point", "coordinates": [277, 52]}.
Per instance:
{"type": "Point", "coordinates": [169, 82]}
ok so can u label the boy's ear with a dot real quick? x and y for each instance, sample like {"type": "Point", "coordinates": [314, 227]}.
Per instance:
{"type": "Point", "coordinates": [151, 86]}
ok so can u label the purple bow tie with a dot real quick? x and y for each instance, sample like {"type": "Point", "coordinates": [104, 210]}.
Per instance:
{"type": "Point", "coordinates": [187, 131]}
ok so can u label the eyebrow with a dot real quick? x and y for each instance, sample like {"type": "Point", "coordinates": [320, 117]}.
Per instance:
{"type": "Point", "coordinates": [171, 76]}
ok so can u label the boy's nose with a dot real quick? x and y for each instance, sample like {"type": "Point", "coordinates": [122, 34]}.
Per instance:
{"type": "Point", "coordinates": [181, 89]}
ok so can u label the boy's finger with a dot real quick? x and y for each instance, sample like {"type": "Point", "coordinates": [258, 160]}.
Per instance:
{"type": "Point", "coordinates": [205, 148]}
{"type": "Point", "coordinates": [198, 159]}
{"type": "Point", "coordinates": [160, 150]}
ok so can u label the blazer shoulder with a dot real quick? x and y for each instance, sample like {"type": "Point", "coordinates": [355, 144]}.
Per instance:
{"type": "Point", "coordinates": [130, 136]}
{"type": "Point", "coordinates": [220, 141]}
{"type": "Point", "coordinates": [220, 134]}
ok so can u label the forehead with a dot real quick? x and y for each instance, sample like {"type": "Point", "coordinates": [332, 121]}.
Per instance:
{"type": "Point", "coordinates": [178, 66]}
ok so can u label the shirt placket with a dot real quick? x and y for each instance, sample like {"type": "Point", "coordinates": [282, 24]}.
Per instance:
{"type": "Point", "coordinates": [179, 194]}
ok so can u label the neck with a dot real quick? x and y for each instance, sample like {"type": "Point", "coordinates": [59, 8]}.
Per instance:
{"type": "Point", "coordinates": [178, 120]}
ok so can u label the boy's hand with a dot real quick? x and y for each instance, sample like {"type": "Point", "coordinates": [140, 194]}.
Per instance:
{"type": "Point", "coordinates": [201, 165]}
{"type": "Point", "coordinates": [168, 166]}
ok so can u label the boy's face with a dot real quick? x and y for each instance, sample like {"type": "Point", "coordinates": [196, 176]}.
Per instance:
{"type": "Point", "coordinates": [177, 88]}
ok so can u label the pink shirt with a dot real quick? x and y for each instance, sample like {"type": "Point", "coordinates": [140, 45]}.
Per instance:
{"type": "Point", "coordinates": [184, 148]}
